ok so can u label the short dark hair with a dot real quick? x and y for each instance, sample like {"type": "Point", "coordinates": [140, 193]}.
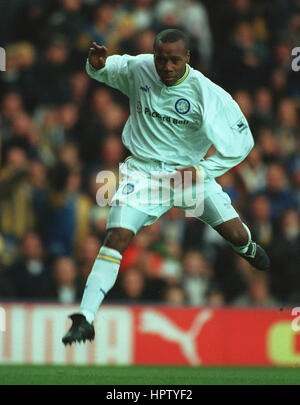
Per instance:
{"type": "Point", "coordinates": [172, 35]}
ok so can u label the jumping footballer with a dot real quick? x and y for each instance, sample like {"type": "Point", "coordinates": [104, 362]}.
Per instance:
{"type": "Point", "coordinates": [176, 115]}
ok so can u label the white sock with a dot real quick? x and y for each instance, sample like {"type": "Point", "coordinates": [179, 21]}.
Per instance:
{"type": "Point", "coordinates": [243, 249]}
{"type": "Point", "coordinates": [101, 279]}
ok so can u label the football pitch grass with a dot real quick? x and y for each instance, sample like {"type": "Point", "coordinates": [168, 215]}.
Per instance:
{"type": "Point", "coordinates": [146, 375]}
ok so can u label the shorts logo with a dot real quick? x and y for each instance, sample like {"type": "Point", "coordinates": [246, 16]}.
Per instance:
{"type": "Point", "coordinates": [128, 188]}
{"type": "Point", "coordinates": [182, 106]}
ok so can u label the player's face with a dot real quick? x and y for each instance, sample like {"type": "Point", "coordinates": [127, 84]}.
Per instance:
{"type": "Point", "coordinates": [170, 60]}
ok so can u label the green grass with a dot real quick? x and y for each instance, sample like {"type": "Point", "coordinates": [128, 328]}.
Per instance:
{"type": "Point", "coordinates": [146, 375]}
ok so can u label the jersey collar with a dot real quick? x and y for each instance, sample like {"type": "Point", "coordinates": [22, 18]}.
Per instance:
{"type": "Point", "coordinates": [187, 71]}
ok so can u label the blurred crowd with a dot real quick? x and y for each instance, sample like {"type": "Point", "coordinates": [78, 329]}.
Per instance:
{"type": "Point", "coordinates": [59, 128]}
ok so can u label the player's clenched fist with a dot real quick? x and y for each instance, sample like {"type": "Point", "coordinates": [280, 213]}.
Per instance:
{"type": "Point", "coordinates": [97, 56]}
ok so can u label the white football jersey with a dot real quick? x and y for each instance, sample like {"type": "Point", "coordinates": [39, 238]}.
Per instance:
{"type": "Point", "coordinates": [177, 124]}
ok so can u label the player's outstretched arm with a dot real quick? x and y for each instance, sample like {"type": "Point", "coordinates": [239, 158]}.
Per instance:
{"type": "Point", "coordinates": [112, 70]}
{"type": "Point", "coordinates": [97, 56]}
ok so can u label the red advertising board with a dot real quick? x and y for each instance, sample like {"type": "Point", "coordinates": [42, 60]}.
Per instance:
{"type": "Point", "coordinates": [153, 335]}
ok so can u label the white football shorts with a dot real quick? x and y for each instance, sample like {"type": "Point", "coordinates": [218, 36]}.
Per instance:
{"type": "Point", "coordinates": [148, 189]}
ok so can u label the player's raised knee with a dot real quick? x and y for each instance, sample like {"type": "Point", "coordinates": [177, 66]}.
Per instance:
{"type": "Point", "coordinates": [239, 236]}
{"type": "Point", "coordinates": [118, 239]}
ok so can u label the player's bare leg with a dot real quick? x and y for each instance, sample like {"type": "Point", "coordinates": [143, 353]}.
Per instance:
{"type": "Point", "coordinates": [118, 239]}
{"type": "Point", "coordinates": [238, 236]}
{"type": "Point", "coordinates": [100, 281]}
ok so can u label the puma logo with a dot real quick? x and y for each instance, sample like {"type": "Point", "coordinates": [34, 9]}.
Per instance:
{"type": "Point", "coordinates": [145, 88]}
{"type": "Point", "coordinates": [157, 323]}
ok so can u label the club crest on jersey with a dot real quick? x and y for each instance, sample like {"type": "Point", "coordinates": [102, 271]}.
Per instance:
{"type": "Point", "coordinates": [182, 106]}
{"type": "Point", "coordinates": [128, 188]}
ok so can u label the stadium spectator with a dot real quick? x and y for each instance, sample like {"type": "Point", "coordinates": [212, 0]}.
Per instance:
{"type": "Point", "coordinates": [278, 84]}
{"type": "Point", "coordinates": [197, 277]}
{"type": "Point", "coordinates": [102, 28]}
{"type": "Point", "coordinates": [19, 74]}
{"type": "Point", "coordinates": [141, 257]}
{"type": "Point", "coordinates": [68, 155]}
{"type": "Point", "coordinates": [93, 127]}
{"type": "Point", "coordinates": [215, 297]}
{"type": "Point", "coordinates": [293, 28]}
{"type": "Point", "coordinates": [112, 152]}
{"type": "Point", "coordinates": [144, 42]}
{"type": "Point", "coordinates": [68, 21]}
{"type": "Point", "coordinates": [174, 295]}
{"type": "Point", "coordinates": [287, 128]}
{"type": "Point", "coordinates": [263, 113]}
{"type": "Point", "coordinates": [260, 220]}
{"type": "Point", "coordinates": [228, 14]}
{"type": "Point", "coordinates": [253, 171]}
{"type": "Point", "coordinates": [30, 21]}
{"type": "Point", "coordinates": [68, 115]}
{"type": "Point", "coordinates": [130, 288]}
{"type": "Point", "coordinates": [141, 11]}
{"type": "Point", "coordinates": [65, 285]}
{"type": "Point", "coordinates": [173, 228]}
{"type": "Point", "coordinates": [278, 191]}
{"type": "Point", "coordinates": [30, 273]}
{"type": "Point", "coordinates": [231, 274]}
{"type": "Point", "coordinates": [86, 254]}
{"type": "Point", "coordinates": [269, 146]}
{"type": "Point", "coordinates": [257, 294]}
{"type": "Point", "coordinates": [68, 219]}
{"type": "Point", "coordinates": [135, 285]}
{"type": "Point", "coordinates": [285, 278]}
{"type": "Point", "coordinates": [53, 67]}
{"type": "Point", "coordinates": [12, 104]}
{"type": "Point", "coordinates": [16, 205]}
{"type": "Point", "coordinates": [171, 271]}
{"type": "Point", "coordinates": [282, 55]}
{"type": "Point", "coordinates": [245, 61]}
{"type": "Point", "coordinates": [80, 89]}
{"type": "Point", "coordinates": [24, 133]}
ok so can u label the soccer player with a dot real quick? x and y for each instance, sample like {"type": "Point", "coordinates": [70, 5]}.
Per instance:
{"type": "Point", "coordinates": [176, 115]}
